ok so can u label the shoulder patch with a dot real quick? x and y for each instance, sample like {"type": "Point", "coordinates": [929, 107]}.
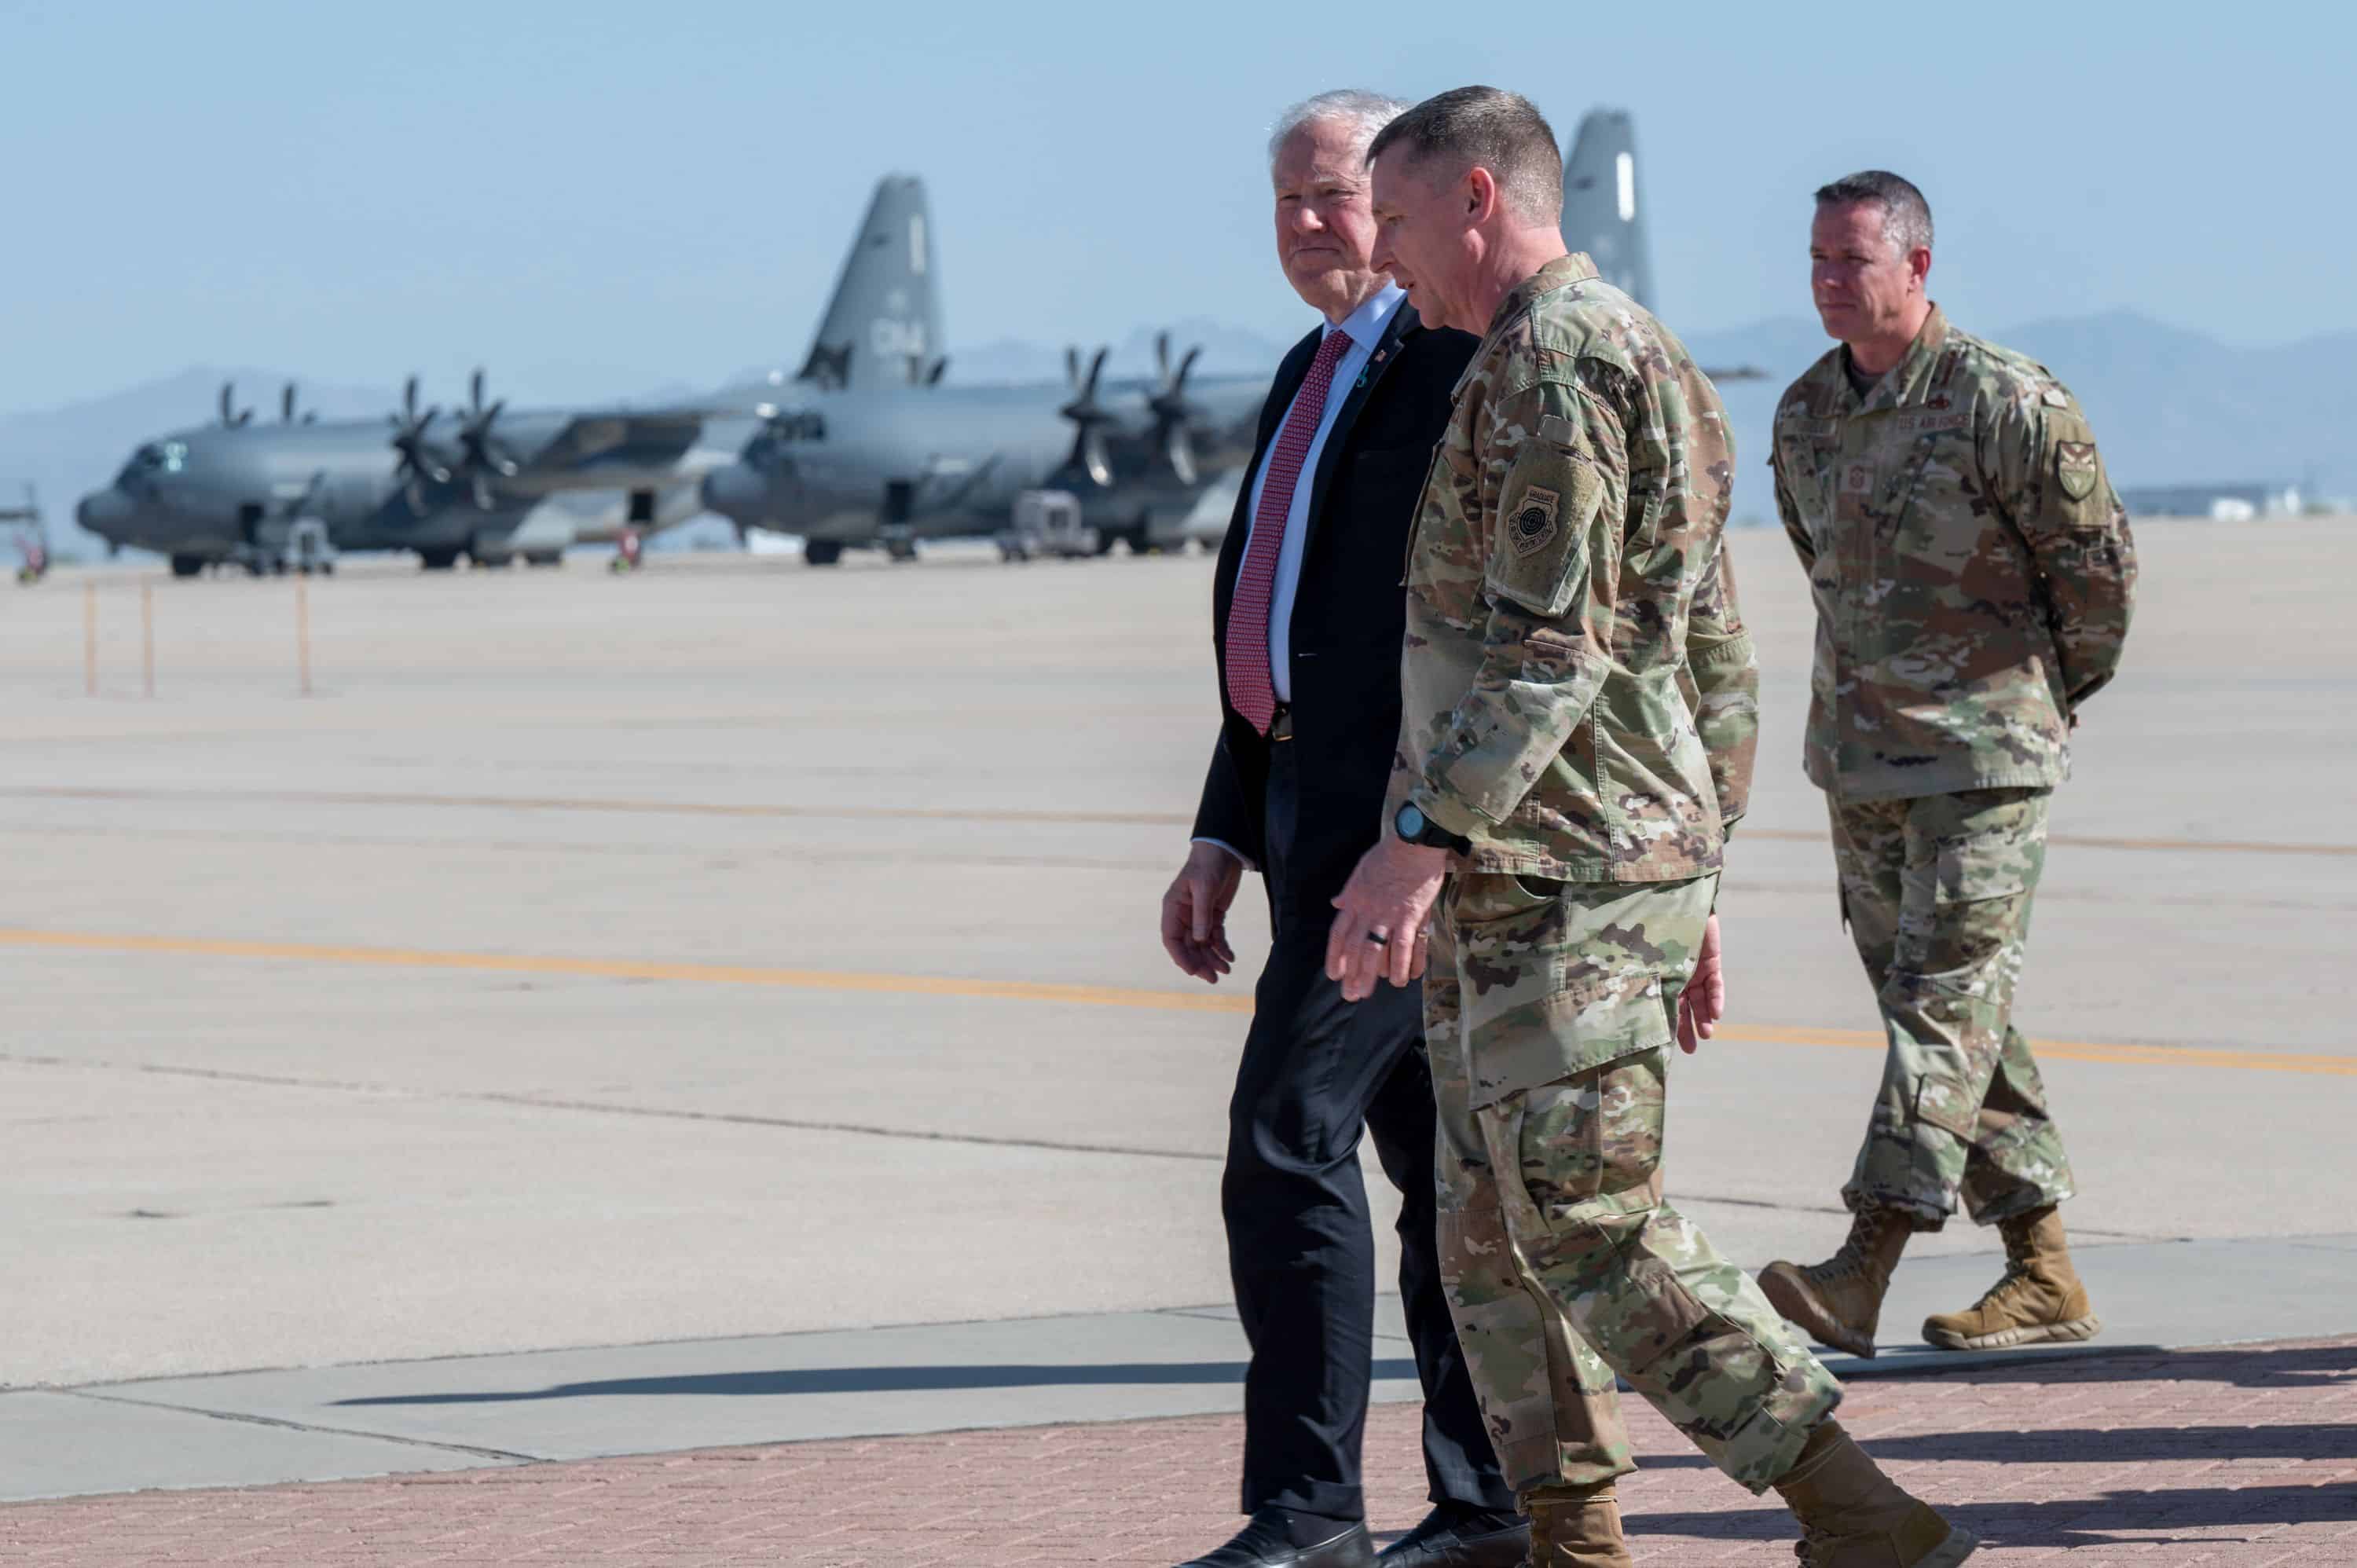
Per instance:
{"type": "Point", "coordinates": [2075, 467]}
{"type": "Point", "coordinates": [2055, 397]}
{"type": "Point", "coordinates": [1537, 521]}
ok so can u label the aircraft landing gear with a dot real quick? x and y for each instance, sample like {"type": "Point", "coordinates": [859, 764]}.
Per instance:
{"type": "Point", "coordinates": [188, 565]}
{"type": "Point", "coordinates": [822, 552]}
{"type": "Point", "coordinates": [438, 560]}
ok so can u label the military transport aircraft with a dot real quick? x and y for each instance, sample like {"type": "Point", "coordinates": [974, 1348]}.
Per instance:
{"type": "Point", "coordinates": [493, 485]}
{"type": "Point", "coordinates": [1601, 216]}
{"type": "Point", "coordinates": [905, 461]}
{"type": "Point", "coordinates": [889, 467]}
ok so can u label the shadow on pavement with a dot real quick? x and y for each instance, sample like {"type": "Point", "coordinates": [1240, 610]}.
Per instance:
{"type": "Point", "coordinates": [868, 1380]}
{"type": "Point", "coordinates": [2193, 1445]}
{"type": "Point", "coordinates": [2135, 1519]}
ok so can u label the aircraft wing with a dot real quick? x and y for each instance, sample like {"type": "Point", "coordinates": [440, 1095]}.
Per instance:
{"type": "Point", "coordinates": [591, 443]}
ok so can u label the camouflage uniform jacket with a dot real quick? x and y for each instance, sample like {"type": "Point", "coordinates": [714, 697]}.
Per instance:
{"type": "Point", "coordinates": [1580, 698]}
{"type": "Point", "coordinates": [1972, 568]}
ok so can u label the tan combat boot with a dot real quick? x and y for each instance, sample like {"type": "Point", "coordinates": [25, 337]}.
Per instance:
{"type": "Point", "coordinates": [1839, 1301]}
{"type": "Point", "coordinates": [1576, 1526]}
{"type": "Point", "coordinates": [2040, 1298]}
{"type": "Point", "coordinates": [1854, 1516]}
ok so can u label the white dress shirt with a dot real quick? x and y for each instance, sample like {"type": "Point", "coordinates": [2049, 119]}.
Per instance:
{"type": "Point", "coordinates": [1365, 325]}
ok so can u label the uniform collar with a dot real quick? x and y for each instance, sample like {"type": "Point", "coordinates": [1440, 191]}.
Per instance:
{"type": "Point", "coordinates": [1910, 381]}
{"type": "Point", "coordinates": [1560, 273]}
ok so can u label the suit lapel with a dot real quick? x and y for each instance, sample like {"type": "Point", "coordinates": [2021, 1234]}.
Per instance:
{"type": "Point", "coordinates": [1403, 322]}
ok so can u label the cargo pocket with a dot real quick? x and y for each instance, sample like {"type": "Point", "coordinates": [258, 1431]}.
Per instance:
{"type": "Point", "coordinates": [1946, 1102]}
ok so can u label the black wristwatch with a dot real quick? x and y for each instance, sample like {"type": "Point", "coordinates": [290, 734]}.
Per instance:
{"type": "Point", "coordinates": [1413, 825]}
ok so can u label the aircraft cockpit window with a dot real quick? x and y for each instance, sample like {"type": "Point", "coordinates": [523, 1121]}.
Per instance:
{"type": "Point", "coordinates": [157, 458]}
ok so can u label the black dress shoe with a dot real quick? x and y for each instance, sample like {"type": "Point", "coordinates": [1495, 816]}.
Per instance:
{"type": "Point", "coordinates": [1454, 1538]}
{"type": "Point", "coordinates": [1268, 1540]}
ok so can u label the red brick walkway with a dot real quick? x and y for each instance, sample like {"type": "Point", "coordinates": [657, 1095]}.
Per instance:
{"type": "Point", "coordinates": [2244, 1456]}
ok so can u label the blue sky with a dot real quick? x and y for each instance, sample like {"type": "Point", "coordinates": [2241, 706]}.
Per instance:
{"type": "Point", "coordinates": [594, 198]}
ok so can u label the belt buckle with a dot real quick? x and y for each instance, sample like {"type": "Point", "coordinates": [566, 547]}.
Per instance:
{"type": "Point", "coordinates": [1280, 727]}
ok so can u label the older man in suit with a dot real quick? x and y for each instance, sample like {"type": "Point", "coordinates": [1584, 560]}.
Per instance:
{"type": "Point", "coordinates": [1307, 622]}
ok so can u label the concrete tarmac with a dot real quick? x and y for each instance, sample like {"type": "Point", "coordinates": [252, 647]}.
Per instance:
{"type": "Point", "coordinates": [737, 948]}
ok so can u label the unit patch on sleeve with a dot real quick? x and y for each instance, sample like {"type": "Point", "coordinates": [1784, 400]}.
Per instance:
{"type": "Point", "coordinates": [1536, 523]}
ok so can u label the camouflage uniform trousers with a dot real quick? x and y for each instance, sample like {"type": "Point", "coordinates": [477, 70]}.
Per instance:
{"type": "Point", "coordinates": [1937, 891]}
{"type": "Point", "coordinates": [1550, 1190]}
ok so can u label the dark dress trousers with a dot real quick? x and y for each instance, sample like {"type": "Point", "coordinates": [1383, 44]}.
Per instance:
{"type": "Point", "coordinates": [1317, 1068]}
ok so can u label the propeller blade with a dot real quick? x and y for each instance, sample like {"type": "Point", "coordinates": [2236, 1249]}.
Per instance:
{"type": "Point", "coordinates": [1178, 382]}
{"type": "Point", "coordinates": [1071, 367]}
{"type": "Point", "coordinates": [225, 396]}
{"type": "Point", "coordinates": [1162, 356]}
{"type": "Point", "coordinates": [286, 404]}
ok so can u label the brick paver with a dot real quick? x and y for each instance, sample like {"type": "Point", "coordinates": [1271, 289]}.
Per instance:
{"type": "Point", "coordinates": [2236, 1456]}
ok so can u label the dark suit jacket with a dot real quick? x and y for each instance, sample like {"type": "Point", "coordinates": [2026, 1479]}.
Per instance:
{"type": "Point", "coordinates": [1348, 614]}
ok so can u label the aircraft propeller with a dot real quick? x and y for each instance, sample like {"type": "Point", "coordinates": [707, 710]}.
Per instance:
{"type": "Point", "coordinates": [287, 408]}
{"type": "Point", "coordinates": [1174, 416]}
{"type": "Point", "coordinates": [231, 416]}
{"type": "Point", "coordinates": [479, 455]}
{"type": "Point", "coordinates": [418, 464]}
{"type": "Point", "coordinates": [1088, 453]}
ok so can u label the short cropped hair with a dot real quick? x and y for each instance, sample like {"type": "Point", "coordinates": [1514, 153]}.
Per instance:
{"type": "Point", "coordinates": [1502, 131]}
{"type": "Point", "coordinates": [1365, 113]}
{"type": "Point", "coordinates": [1906, 216]}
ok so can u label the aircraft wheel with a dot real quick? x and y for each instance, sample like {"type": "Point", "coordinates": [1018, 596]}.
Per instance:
{"type": "Point", "coordinates": [188, 565]}
{"type": "Point", "coordinates": [822, 552]}
{"type": "Point", "coordinates": [438, 560]}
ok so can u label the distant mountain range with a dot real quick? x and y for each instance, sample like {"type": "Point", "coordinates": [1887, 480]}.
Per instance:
{"type": "Point", "coordinates": [2169, 406]}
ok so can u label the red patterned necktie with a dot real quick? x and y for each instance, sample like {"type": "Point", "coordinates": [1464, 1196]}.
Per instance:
{"type": "Point", "coordinates": [1249, 685]}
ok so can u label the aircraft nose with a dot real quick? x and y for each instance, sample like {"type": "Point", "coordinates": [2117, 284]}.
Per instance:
{"type": "Point", "coordinates": [104, 512]}
{"type": "Point", "coordinates": [735, 492]}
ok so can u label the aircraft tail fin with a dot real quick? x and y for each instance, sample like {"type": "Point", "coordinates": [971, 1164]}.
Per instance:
{"type": "Point", "coordinates": [883, 328]}
{"type": "Point", "coordinates": [1601, 214]}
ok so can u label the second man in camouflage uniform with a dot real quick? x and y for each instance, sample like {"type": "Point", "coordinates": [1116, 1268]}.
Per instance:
{"type": "Point", "coordinates": [1972, 571]}
{"type": "Point", "coordinates": [1577, 729]}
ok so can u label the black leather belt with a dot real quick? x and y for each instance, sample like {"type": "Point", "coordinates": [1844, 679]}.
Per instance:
{"type": "Point", "coordinates": [1281, 727]}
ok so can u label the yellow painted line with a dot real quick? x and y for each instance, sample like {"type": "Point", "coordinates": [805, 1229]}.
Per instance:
{"type": "Point", "coordinates": [757, 810]}
{"type": "Point", "coordinates": [1238, 1000]}
{"type": "Point", "coordinates": [2071, 1050]}
{"type": "Point", "coordinates": [2089, 840]}
{"type": "Point", "coordinates": [636, 969]}
{"type": "Point", "coordinates": [749, 810]}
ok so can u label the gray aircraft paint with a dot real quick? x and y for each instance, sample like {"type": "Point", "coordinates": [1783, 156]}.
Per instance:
{"type": "Point", "coordinates": [1603, 210]}
{"type": "Point", "coordinates": [491, 487]}
{"type": "Point", "coordinates": [883, 328]}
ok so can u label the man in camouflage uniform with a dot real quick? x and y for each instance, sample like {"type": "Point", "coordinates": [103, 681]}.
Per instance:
{"type": "Point", "coordinates": [1973, 572]}
{"type": "Point", "coordinates": [1578, 723]}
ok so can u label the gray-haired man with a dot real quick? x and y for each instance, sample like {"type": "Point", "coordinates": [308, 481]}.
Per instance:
{"type": "Point", "coordinates": [1307, 618]}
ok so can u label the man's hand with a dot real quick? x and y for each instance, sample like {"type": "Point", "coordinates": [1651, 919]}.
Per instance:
{"type": "Point", "coordinates": [1388, 897]}
{"type": "Point", "coordinates": [1195, 913]}
{"type": "Point", "coordinates": [1704, 1001]}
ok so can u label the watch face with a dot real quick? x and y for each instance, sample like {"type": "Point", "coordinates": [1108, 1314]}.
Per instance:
{"type": "Point", "coordinates": [1410, 822]}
